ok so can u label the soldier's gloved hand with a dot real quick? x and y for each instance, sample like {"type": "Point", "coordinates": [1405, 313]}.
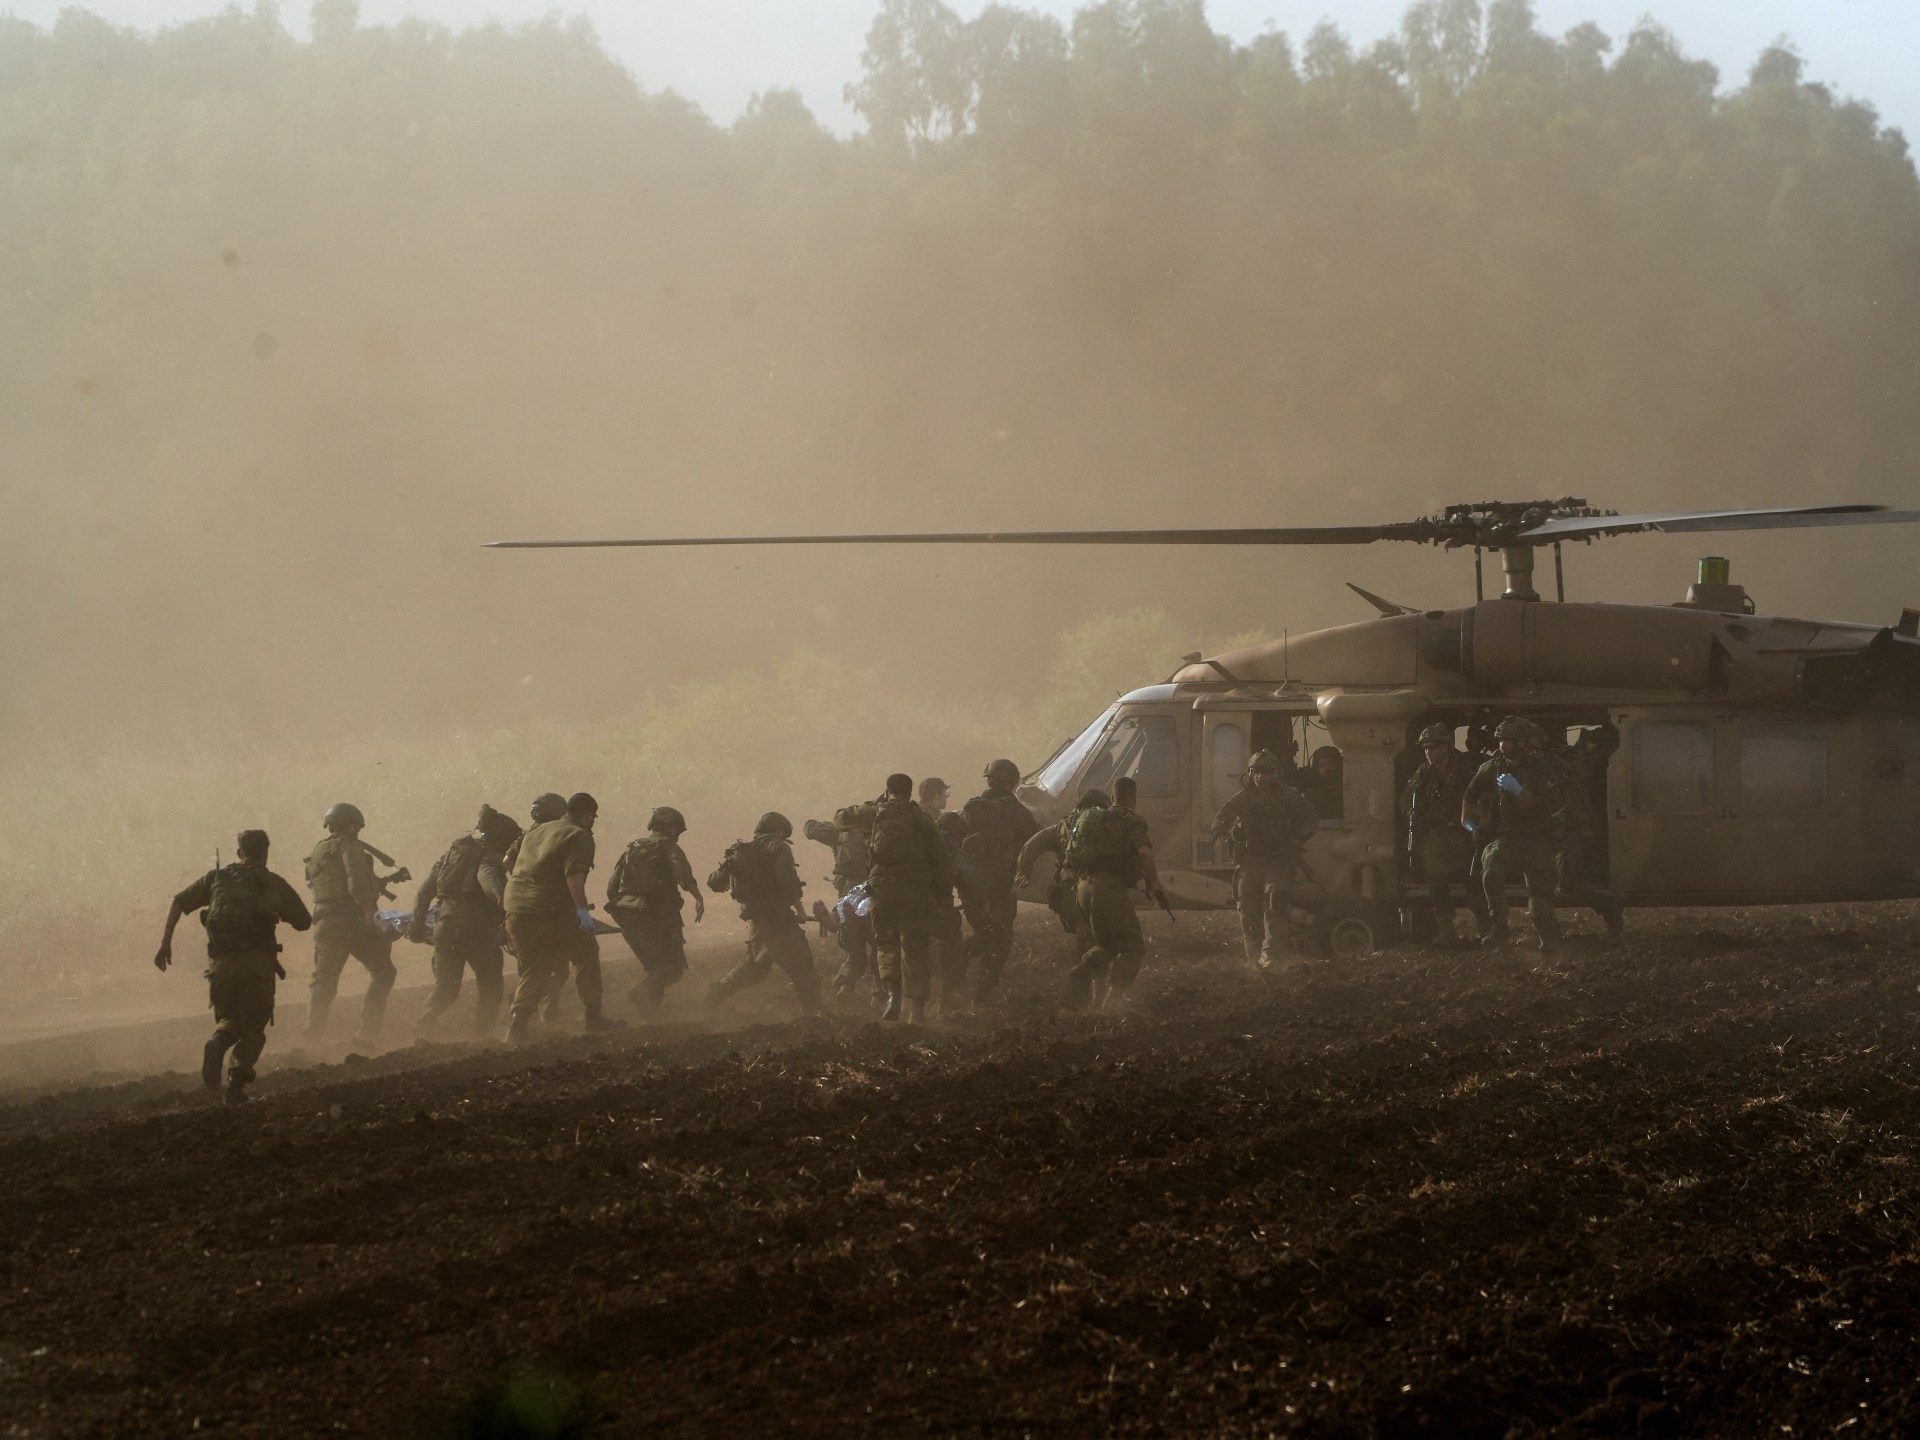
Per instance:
{"type": "Point", "coordinates": [417, 933]}
{"type": "Point", "coordinates": [1469, 826]}
{"type": "Point", "coordinates": [585, 912]}
{"type": "Point", "coordinates": [1509, 783]}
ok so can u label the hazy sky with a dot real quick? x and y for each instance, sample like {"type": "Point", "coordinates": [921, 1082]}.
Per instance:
{"type": "Point", "coordinates": [719, 52]}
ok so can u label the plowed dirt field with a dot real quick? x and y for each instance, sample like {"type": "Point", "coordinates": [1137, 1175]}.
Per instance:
{"type": "Point", "coordinates": [1664, 1187]}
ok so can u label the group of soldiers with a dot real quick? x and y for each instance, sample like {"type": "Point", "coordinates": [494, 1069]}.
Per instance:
{"type": "Point", "coordinates": [900, 863]}
{"type": "Point", "coordinates": [1528, 813]}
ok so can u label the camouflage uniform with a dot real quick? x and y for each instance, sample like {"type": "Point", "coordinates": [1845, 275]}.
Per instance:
{"type": "Point", "coordinates": [345, 896]}
{"type": "Point", "coordinates": [949, 940]}
{"type": "Point", "coordinates": [643, 899]}
{"type": "Point", "coordinates": [846, 835]}
{"type": "Point", "coordinates": [1109, 923]}
{"type": "Point", "coordinates": [997, 826]}
{"type": "Point", "coordinates": [774, 933]}
{"type": "Point", "coordinates": [242, 965]}
{"type": "Point", "coordinates": [469, 882]}
{"type": "Point", "coordinates": [1268, 832]}
{"type": "Point", "coordinates": [907, 891]}
{"type": "Point", "coordinates": [1063, 895]}
{"type": "Point", "coordinates": [1524, 843]}
{"type": "Point", "coordinates": [543, 923]}
{"type": "Point", "coordinates": [1440, 847]}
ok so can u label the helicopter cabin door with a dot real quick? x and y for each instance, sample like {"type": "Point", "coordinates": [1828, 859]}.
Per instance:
{"type": "Point", "coordinates": [1733, 808]}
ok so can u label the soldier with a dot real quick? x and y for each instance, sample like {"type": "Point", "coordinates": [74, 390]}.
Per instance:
{"type": "Point", "coordinates": [643, 899]}
{"type": "Point", "coordinates": [1514, 801]}
{"type": "Point", "coordinates": [847, 836]}
{"type": "Point", "coordinates": [469, 882]}
{"type": "Point", "coordinates": [1439, 848]}
{"type": "Point", "coordinates": [346, 893]}
{"type": "Point", "coordinates": [549, 919]}
{"type": "Point", "coordinates": [912, 877]}
{"type": "Point", "coordinates": [1324, 784]}
{"type": "Point", "coordinates": [1582, 863]}
{"type": "Point", "coordinates": [1269, 824]}
{"type": "Point", "coordinates": [949, 943]}
{"type": "Point", "coordinates": [1111, 852]}
{"type": "Point", "coordinates": [1062, 894]}
{"type": "Point", "coordinates": [997, 826]}
{"type": "Point", "coordinates": [244, 902]}
{"type": "Point", "coordinates": [760, 874]}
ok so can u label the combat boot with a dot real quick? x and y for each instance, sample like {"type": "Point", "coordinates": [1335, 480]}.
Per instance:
{"type": "Point", "coordinates": [213, 1057]}
{"type": "Point", "coordinates": [518, 1030]}
{"type": "Point", "coordinates": [916, 1012]}
{"type": "Point", "coordinates": [892, 1012]}
{"type": "Point", "coordinates": [235, 1091]}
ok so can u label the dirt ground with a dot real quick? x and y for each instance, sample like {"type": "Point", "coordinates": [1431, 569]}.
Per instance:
{"type": "Point", "coordinates": [1666, 1187]}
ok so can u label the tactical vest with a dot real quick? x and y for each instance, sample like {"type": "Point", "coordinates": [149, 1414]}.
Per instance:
{"type": "Point", "coordinates": [997, 826]}
{"type": "Point", "coordinates": [1099, 841]}
{"type": "Point", "coordinates": [896, 840]}
{"type": "Point", "coordinates": [327, 869]}
{"type": "Point", "coordinates": [644, 872]}
{"type": "Point", "coordinates": [241, 911]}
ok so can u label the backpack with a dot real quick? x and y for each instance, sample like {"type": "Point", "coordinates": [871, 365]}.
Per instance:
{"type": "Point", "coordinates": [894, 841]}
{"type": "Point", "coordinates": [644, 871]}
{"type": "Point", "coordinates": [746, 873]}
{"type": "Point", "coordinates": [1099, 841]}
{"type": "Point", "coordinates": [240, 908]}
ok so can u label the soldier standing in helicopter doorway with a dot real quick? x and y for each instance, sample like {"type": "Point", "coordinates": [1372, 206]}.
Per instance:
{"type": "Point", "coordinates": [464, 890]}
{"type": "Point", "coordinates": [244, 902]}
{"type": "Point", "coordinates": [346, 894]}
{"type": "Point", "coordinates": [997, 826]}
{"type": "Point", "coordinates": [1439, 847]}
{"type": "Point", "coordinates": [1515, 798]}
{"type": "Point", "coordinates": [1268, 823]}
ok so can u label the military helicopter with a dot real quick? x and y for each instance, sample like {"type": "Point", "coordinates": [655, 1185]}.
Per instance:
{"type": "Point", "coordinates": [1760, 759]}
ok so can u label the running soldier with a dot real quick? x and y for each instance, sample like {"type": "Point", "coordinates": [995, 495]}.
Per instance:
{"type": "Point", "coordinates": [1111, 852]}
{"type": "Point", "coordinates": [1439, 848]}
{"type": "Point", "coordinates": [1514, 802]}
{"type": "Point", "coordinates": [760, 874]}
{"type": "Point", "coordinates": [549, 919]}
{"type": "Point", "coordinates": [1063, 893]}
{"type": "Point", "coordinates": [244, 902]}
{"type": "Point", "coordinates": [997, 826]}
{"type": "Point", "coordinates": [847, 835]}
{"type": "Point", "coordinates": [468, 883]}
{"type": "Point", "coordinates": [1269, 824]}
{"type": "Point", "coordinates": [643, 899]}
{"type": "Point", "coordinates": [346, 895]}
{"type": "Point", "coordinates": [912, 877]}
{"type": "Point", "coordinates": [949, 941]}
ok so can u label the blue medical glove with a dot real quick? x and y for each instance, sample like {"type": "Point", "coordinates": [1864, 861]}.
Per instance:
{"type": "Point", "coordinates": [585, 912]}
{"type": "Point", "coordinates": [1509, 783]}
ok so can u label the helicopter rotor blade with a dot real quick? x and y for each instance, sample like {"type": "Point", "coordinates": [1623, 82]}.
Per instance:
{"type": "Point", "coordinates": [1792, 517]}
{"type": "Point", "coordinates": [1307, 535]}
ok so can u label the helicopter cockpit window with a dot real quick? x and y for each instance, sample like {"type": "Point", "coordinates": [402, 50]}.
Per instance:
{"type": "Point", "coordinates": [1059, 771]}
{"type": "Point", "coordinates": [1147, 747]}
{"type": "Point", "coordinates": [1783, 768]}
{"type": "Point", "coordinates": [1672, 767]}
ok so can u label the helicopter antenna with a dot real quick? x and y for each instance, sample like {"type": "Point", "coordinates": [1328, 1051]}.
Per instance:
{"type": "Point", "coordinates": [1479, 578]}
{"type": "Point", "coordinates": [1559, 575]}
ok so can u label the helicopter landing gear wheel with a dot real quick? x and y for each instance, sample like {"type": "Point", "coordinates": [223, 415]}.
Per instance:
{"type": "Point", "coordinates": [1349, 928]}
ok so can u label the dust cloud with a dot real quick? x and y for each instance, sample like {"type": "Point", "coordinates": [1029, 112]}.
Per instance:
{"type": "Point", "coordinates": [295, 327]}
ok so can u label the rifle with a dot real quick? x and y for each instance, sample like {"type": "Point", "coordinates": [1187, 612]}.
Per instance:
{"type": "Point", "coordinates": [1160, 895]}
{"type": "Point", "coordinates": [398, 877]}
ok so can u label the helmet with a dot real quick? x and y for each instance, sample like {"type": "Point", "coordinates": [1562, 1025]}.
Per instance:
{"type": "Point", "coordinates": [667, 818]}
{"type": "Point", "coordinates": [774, 823]}
{"type": "Point", "coordinates": [1515, 727]}
{"type": "Point", "coordinates": [548, 807]}
{"type": "Point", "coordinates": [1325, 752]}
{"type": "Point", "coordinates": [343, 814]}
{"type": "Point", "coordinates": [501, 828]}
{"type": "Point", "coordinates": [1002, 772]}
{"type": "Point", "coordinates": [1091, 799]}
{"type": "Point", "coordinates": [1264, 760]}
{"type": "Point", "coordinates": [1436, 735]}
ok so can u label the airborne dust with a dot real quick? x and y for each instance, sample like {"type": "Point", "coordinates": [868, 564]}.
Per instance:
{"type": "Point", "coordinates": [293, 328]}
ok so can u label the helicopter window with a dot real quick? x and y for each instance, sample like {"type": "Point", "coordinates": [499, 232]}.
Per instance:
{"type": "Point", "coordinates": [1226, 761]}
{"type": "Point", "coordinates": [1672, 767]}
{"type": "Point", "coordinates": [1059, 773]}
{"type": "Point", "coordinates": [1147, 747]}
{"type": "Point", "coordinates": [1783, 768]}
